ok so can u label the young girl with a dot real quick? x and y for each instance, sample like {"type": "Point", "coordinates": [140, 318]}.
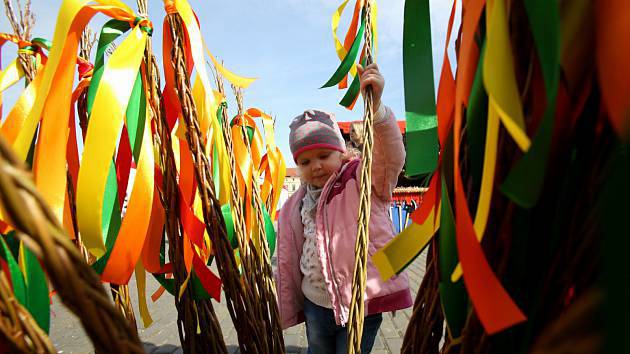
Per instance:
{"type": "Point", "coordinates": [317, 228]}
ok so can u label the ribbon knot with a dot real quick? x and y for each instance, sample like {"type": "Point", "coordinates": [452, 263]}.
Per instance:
{"type": "Point", "coordinates": [169, 7]}
{"type": "Point", "coordinates": [144, 23]}
{"type": "Point", "coordinates": [26, 47]}
{"type": "Point", "coordinates": [85, 68]}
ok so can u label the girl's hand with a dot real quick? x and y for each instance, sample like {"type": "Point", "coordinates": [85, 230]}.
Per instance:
{"type": "Point", "coordinates": [370, 76]}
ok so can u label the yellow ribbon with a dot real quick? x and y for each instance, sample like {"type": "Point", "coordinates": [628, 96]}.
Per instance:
{"type": "Point", "coordinates": [498, 74]}
{"type": "Point", "coordinates": [275, 168]}
{"type": "Point", "coordinates": [196, 46]}
{"type": "Point", "coordinates": [106, 121]}
{"type": "Point", "coordinates": [374, 27]}
{"type": "Point", "coordinates": [20, 111]}
{"type": "Point", "coordinates": [10, 75]}
{"type": "Point", "coordinates": [205, 105]}
{"type": "Point", "coordinates": [407, 244]}
{"type": "Point", "coordinates": [234, 79]}
{"type": "Point", "coordinates": [217, 143]}
{"type": "Point", "coordinates": [487, 180]}
{"type": "Point", "coordinates": [141, 285]}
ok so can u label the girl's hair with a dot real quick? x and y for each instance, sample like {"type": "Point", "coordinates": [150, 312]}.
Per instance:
{"type": "Point", "coordinates": [359, 137]}
{"type": "Point", "coordinates": [351, 153]}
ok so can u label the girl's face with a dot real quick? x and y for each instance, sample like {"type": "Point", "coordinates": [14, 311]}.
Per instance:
{"type": "Point", "coordinates": [317, 165]}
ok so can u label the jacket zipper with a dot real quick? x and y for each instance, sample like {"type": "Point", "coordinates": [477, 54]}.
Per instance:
{"type": "Point", "coordinates": [332, 269]}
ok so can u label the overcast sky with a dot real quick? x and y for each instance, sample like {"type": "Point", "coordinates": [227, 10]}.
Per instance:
{"type": "Point", "coordinates": [287, 44]}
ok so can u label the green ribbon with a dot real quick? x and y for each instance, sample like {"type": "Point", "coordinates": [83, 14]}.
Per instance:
{"type": "Point", "coordinates": [421, 134]}
{"type": "Point", "coordinates": [353, 90]}
{"type": "Point", "coordinates": [37, 301]}
{"type": "Point", "coordinates": [476, 123]}
{"type": "Point", "coordinates": [136, 116]}
{"type": "Point", "coordinates": [453, 296]}
{"type": "Point", "coordinates": [248, 129]}
{"type": "Point", "coordinates": [351, 93]}
{"type": "Point", "coordinates": [269, 229]}
{"type": "Point", "coordinates": [348, 60]}
{"type": "Point", "coordinates": [524, 183]}
{"type": "Point", "coordinates": [15, 273]}
{"type": "Point", "coordinates": [111, 30]}
{"type": "Point", "coordinates": [31, 288]}
{"type": "Point", "coordinates": [42, 42]}
{"type": "Point", "coordinates": [198, 291]}
{"type": "Point", "coordinates": [229, 224]}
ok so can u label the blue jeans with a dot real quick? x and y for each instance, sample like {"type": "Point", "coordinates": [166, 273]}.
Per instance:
{"type": "Point", "coordinates": [326, 337]}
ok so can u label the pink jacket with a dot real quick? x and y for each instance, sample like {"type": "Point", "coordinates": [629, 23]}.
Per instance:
{"type": "Point", "coordinates": [337, 214]}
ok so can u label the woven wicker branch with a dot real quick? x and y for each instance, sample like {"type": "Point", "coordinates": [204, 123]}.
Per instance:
{"type": "Point", "coordinates": [122, 301]}
{"type": "Point", "coordinates": [192, 313]}
{"type": "Point", "coordinates": [357, 305]}
{"type": "Point", "coordinates": [247, 315]}
{"type": "Point", "coordinates": [76, 283]}
{"type": "Point", "coordinates": [424, 330]}
{"type": "Point", "coordinates": [18, 330]}
{"type": "Point", "coordinates": [260, 257]}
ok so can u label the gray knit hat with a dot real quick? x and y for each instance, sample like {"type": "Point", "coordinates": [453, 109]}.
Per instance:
{"type": "Point", "coordinates": [315, 130]}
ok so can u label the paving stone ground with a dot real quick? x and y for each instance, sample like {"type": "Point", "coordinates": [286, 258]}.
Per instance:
{"type": "Point", "coordinates": [162, 337]}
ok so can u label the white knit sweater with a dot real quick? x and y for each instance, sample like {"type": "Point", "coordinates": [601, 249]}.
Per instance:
{"type": "Point", "coordinates": [313, 285]}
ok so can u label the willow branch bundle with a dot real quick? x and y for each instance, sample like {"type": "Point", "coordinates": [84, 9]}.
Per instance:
{"type": "Point", "coordinates": [22, 23]}
{"type": "Point", "coordinates": [259, 256]}
{"type": "Point", "coordinates": [357, 304]}
{"type": "Point", "coordinates": [424, 331]}
{"type": "Point", "coordinates": [18, 330]}
{"type": "Point", "coordinates": [85, 47]}
{"type": "Point", "coordinates": [168, 195]}
{"type": "Point", "coordinates": [210, 339]}
{"type": "Point", "coordinates": [247, 313]}
{"type": "Point", "coordinates": [78, 286]}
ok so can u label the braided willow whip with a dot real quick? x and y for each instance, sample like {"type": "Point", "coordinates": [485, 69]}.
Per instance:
{"type": "Point", "coordinates": [357, 305]}
{"type": "Point", "coordinates": [78, 286]}
{"type": "Point", "coordinates": [251, 330]}
{"type": "Point", "coordinates": [198, 327]}
{"type": "Point", "coordinates": [213, 218]}
{"type": "Point", "coordinates": [18, 330]}
{"type": "Point", "coordinates": [258, 242]}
